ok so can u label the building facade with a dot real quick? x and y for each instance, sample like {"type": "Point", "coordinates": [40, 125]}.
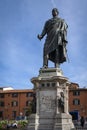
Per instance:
{"type": "Point", "coordinates": [14, 103]}
{"type": "Point", "coordinates": [78, 99]}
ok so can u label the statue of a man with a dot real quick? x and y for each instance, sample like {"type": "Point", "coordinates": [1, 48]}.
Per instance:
{"type": "Point", "coordinates": [61, 102]}
{"type": "Point", "coordinates": [55, 43]}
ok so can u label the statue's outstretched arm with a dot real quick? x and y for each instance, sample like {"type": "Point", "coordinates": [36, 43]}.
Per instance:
{"type": "Point", "coordinates": [40, 36]}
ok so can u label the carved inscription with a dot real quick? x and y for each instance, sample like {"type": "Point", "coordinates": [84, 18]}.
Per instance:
{"type": "Point", "coordinates": [47, 102]}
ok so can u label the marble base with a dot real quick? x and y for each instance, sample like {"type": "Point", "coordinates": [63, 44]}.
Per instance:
{"type": "Point", "coordinates": [50, 72]}
{"type": "Point", "coordinates": [33, 122]}
{"type": "Point", "coordinates": [49, 115]}
{"type": "Point", "coordinates": [63, 121]}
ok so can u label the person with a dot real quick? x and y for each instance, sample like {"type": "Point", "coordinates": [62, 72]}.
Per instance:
{"type": "Point", "coordinates": [56, 40]}
{"type": "Point", "coordinates": [82, 121]}
{"type": "Point", "coordinates": [14, 125]}
{"type": "Point", "coordinates": [61, 102]}
{"type": "Point", "coordinates": [8, 125]}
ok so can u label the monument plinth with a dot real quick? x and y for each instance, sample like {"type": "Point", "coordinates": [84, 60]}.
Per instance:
{"type": "Point", "coordinates": [51, 89]}
{"type": "Point", "coordinates": [50, 85]}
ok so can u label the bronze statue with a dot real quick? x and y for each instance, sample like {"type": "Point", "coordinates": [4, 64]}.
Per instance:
{"type": "Point", "coordinates": [55, 44]}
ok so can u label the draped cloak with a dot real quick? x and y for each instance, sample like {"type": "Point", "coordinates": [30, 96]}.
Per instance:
{"type": "Point", "coordinates": [56, 30]}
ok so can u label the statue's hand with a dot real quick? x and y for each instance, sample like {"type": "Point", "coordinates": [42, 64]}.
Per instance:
{"type": "Point", "coordinates": [39, 37]}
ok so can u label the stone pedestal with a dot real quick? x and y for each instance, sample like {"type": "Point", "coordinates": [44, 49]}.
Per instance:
{"type": "Point", "coordinates": [51, 101]}
{"type": "Point", "coordinates": [33, 122]}
{"type": "Point", "coordinates": [63, 121]}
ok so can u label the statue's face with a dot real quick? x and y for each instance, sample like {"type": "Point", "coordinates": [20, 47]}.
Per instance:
{"type": "Point", "coordinates": [54, 13]}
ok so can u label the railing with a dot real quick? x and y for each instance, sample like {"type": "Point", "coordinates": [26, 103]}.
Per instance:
{"type": "Point", "coordinates": [80, 128]}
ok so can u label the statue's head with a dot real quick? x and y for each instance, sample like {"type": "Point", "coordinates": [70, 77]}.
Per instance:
{"type": "Point", "coordinates": [55, 12]}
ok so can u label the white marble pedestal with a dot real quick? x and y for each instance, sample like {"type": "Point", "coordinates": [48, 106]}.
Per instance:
{"type": "Point", "coordinates": [49, 115]}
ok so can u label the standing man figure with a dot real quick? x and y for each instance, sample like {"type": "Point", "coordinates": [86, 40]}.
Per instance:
{"type": "Point", "coordinates": [82, 121]}
{"type": "Point", "coordinates": [55, 43]}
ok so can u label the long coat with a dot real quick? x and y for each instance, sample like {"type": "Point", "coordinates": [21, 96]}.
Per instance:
{"type": "Point", "coordinates": [56, 30]}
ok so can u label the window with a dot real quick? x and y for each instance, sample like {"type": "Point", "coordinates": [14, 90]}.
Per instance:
{"type": "Point", "coordinates": [14, 114]}
{"type": "Point", "coordinates": [1, 114]}
{"type": "Point", "coordinates": [76, 102]}
{"type": "Point", "coordinates": [1, 95]}
{"type": "Point", "coordinates": [2, 104]}
{"type": "Point", "coordinates": [76, 93]}
{"type": "Point", "coordinates": [14, 103]}
{"type": "Point", "coordinates": [28, 103]}
{"type": "Point", "coordinates": [29, 94]}
{"type": "Point", "coordinates": [14, 94]}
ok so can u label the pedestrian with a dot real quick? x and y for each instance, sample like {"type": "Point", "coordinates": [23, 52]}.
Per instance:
{"type": "Point", "coordinates": [14, 125]}
{"type": "Point", "coordinates": [82, 121]}
{"type": "Point", "coordinates": [8, 125]}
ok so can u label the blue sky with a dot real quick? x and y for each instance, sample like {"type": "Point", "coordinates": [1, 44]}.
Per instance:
{"type": "Point", "coordinates": [21, 52]}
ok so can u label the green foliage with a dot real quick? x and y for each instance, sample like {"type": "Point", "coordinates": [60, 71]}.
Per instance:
{"type": "Point", "coordinates": [21, 123]}
{"type": "Point", "coordinates": [3, 123]}
{"type": "Point", "coordinates": [29, 111]}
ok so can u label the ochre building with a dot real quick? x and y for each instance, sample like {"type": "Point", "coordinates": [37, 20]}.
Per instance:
{"type": "Point", "coordinates": [14, 103]}
{"type": "Point", "coordinates": [78, 99]}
